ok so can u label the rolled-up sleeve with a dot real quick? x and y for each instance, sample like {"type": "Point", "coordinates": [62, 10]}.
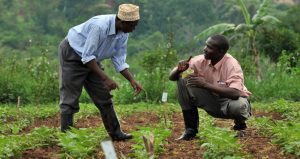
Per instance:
{"type": "Point", "coordinates": [119, 59]}
{"type": "Point", "coordinates": [91, 44]}
{"type": "Point", "coordinates": [235, 78]}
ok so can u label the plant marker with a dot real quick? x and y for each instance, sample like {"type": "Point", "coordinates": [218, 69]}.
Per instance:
{"type": "Point", "coordinates": [164, 99]}
{"type": "Point", "coordinates": [108, 149]}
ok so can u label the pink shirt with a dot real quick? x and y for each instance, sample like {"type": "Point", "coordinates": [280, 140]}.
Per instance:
{"type": "Point", "coordinates": [226, 72]}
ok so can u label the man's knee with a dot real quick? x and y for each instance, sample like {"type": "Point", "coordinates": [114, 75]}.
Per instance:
{"type": "Point", "coordinates": [239, 109]}
{"type": "Point", "coordinates": [68, 109]}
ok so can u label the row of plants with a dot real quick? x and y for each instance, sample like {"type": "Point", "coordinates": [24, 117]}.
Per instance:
{"type": "Point", "coordinates": [14, 119]}
{"type": "Point", "coordinates": [285, 132]}
{"type": "Point", "coordinates": [218, 142]}
{"type": "Point", "coordinates": [14, 145]}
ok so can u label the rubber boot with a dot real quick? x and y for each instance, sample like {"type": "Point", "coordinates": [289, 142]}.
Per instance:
{"type": "Point", "coordinates": [66, 121]}
{"type": "Point", "coordinates": [191, 123]}
{"type": "Point", "coordinates": [112, 124]}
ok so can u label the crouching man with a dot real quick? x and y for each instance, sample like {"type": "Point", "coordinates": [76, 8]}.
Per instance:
{"type": "Point", "coordinates": [215, 85]}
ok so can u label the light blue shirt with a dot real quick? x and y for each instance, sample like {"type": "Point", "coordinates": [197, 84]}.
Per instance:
{"type": "Point", "coordinates": [97, 39]}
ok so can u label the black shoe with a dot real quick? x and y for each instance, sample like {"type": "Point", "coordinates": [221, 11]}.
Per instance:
{"type": "Point", "coordinates": [241, 126]}
{"type": "Point", "coordinates": [66, 122]}
{"type": "Point", "coordinates": [121, 136]}
{"type": "Point", "coordinates": [187, 135]}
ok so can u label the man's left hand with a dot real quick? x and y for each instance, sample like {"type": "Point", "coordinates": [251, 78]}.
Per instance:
{"type": "Point", "coordinates": [137, 87]}
{"type": "Point", "coordinates": [196, 81]}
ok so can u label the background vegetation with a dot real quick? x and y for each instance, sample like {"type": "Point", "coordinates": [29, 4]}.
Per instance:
{"type": "Point", "coordinates": [31, 30]}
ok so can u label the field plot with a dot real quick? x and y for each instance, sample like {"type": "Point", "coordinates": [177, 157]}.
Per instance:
{"type": "Point", "coordinates": [33, 132]}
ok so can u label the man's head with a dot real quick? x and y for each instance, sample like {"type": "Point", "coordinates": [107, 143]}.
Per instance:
{"type": "Point", "coordinates": [127, 18]}
{"type": "Point", "coordinates": [216, 47]}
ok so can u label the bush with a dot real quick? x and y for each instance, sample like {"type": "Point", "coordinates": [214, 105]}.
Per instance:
{"type": "Point", "coordinates": [278, 81]}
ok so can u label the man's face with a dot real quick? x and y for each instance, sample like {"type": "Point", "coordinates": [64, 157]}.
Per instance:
{"type": "Point", "coordinates": [128, 27]}
{"type": "Point", "coordinates": [210, 50]}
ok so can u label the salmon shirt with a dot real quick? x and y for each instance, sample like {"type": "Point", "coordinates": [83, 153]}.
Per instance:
{"type": "Point", "coordinates": [226, 72]}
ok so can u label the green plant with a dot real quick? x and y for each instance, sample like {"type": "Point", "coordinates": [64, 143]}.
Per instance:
{"type": "Point", "coordinates": [81, 143]}
{"type": "Point", "coordinates": [218, 142]}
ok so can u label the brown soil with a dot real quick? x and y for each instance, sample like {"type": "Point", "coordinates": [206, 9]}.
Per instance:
{"type": "Point", "coordinates": [271, 115]}
{"type": "Point", "coordinates": [53, 151]}
{"type": "Point", "coordinates": [128, 124]}
{"type": "Point", "coordinates": [260, 147]}
{"type": "Point", "coordinates": [180, 149]}
{"type": "Point", "coordinates": [42, 153]}
{"type": "Point", "coordinates": [89, 122]}
{"type": "Point", "coordinates": [255, 144]}
{"type": "Point", "coordinates": [49, 122]}
{"type": "Point", "coordinates": [131, 123]}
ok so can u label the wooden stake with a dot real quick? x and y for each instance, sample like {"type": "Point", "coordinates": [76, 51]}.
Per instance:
{"type": "Point", "coordinates": [149, 144]}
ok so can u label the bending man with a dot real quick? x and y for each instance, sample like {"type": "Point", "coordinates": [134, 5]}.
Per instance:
{"type": "Point", "coordinates": [81, 52]}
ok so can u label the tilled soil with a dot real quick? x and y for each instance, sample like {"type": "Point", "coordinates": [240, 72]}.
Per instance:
{"type": "Point", "coordinates": [253, 143]}
{"type": "Point", "coordinates": [128, 124]}
{"type": "Point", "coordinates": [180, 149]}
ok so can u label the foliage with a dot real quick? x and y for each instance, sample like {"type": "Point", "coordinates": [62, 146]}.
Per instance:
{"type": "Point", "coordinates": [9, 117]}
{"type": "Point", "coordinates": [218, 142]}
{"type": "Point", "coordinates": [31, 32]}
{"type": "Point", "coordinates": [276, 77]}
{"type": "Point", "coordinates": [160, 134]}
{"type": "Point", "coordinates": [272, 41]}
{"type": "Point", "coordinates": [80, 143]}
{"type": "Point", "coordinates": [285, 134]}
{"type": "Point", "coordinates": [33, 79]}
{"type": "Point", "coordinates": [14, 145]}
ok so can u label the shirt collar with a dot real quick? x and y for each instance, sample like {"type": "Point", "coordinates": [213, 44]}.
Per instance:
{"type": "Point", "coordinates": [112, 25]}
{"type": "Point", "coordinates": [218, 65]}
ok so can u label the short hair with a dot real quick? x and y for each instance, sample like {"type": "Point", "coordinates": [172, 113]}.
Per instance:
{"type": "Point", "coordinates": [223, 43]}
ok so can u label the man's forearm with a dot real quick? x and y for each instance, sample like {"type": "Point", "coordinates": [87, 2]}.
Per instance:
{"type": "Point", "coordinates": [174, 75]}
{"type": "Point", "coordinates": [96, 69]}
{"type": "Point", "coordinates": [127, 75]}
{"type": "Point", "coordinates": [224, 91]}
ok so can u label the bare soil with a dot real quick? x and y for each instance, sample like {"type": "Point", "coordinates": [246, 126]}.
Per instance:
{"type": "Point", "coordinates": [180, 149]}
{"type": "Point", "coordinates": [128, 124]}
{"type": "Point", "coordinates": [253, 143]}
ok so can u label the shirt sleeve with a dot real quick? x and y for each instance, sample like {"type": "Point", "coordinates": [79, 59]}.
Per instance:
{"type": "Point", "coordinates": [92, 42]}
{"type": "Point", "coordinates": [235, 78]}
{"type": "Point", "coordinates": [119, 58]}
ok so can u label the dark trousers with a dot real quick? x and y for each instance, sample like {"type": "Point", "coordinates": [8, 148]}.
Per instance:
{"type": "Point", "coordinates": [191, 97]}
{"type": "Point", "coordinates": [74, 75]}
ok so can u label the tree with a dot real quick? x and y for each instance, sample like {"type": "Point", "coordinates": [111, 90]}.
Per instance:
{"type": "Point", "coordinates": [249, 29]}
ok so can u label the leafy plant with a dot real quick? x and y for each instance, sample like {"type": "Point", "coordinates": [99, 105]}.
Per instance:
{"type": "Point", "coordinates": [81, 143]}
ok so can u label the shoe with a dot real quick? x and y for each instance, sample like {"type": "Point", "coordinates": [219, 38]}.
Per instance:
{"type": "Point", "coordinates": [121, 136]}
{"type": "Point", "coordinates": [240, 133]}
{"type": "Point", "coordinates": [191, 123]}
{"type": "Point", "coordinates": [241, 126]}
{"type": "Point", "coordinates": [189, 134]}
{"type": "Point", "coordinates": [66, 122]}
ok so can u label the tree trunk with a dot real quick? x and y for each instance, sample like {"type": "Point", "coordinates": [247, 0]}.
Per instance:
{"type": "Point", "coordinates": [256, 58]}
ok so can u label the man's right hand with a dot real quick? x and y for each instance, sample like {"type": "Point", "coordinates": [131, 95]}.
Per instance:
{"type": "Point", "coordinates": [183, 65]}
{"type": "Point", "coordinates": [110, 84]}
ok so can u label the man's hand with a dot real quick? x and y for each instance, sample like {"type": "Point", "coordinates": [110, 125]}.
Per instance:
{"type": "Point", "coordinates": [196, 81]}
{"type": "Point", "coordinates": [110, 84]}
{"type": "Point", "coordinates": [137, 87]}
{"type": "Point", "coordinates": [183, 64]}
